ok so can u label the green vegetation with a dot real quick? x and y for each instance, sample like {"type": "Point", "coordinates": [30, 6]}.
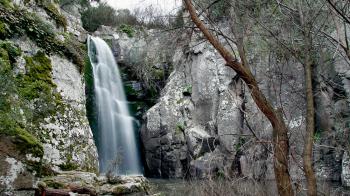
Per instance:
{"type": "Point", "coordinates": [317, 136]}
{"type": "Point", "coordinates": [127, 29]}
{"type": "Point", "coordinates": [94, 17]}
{"type": "Point", "coordinates": [12, 107]}
{"type": "Point", "coordinates": [53, 184]}
{"type": "Point", "coordinates": [69, 166]}
{"type": "Point", "coordinates": [53, 12]}
{"type": "Point", "coordinates": [240, 143]}
{"type": "Point", "coordinates": [6, 3]}
{"type": "Point", "coordinates": [19, 22]}
{"type": "Point", "coordinates": [180, 127]}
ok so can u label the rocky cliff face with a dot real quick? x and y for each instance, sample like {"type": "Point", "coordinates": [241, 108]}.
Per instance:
{"type": "Point", "coordinates": [192, 129]}
{"type": "Point", "coordinates": [206, 124]}
{"type": "Point", "coordinates": [50, 132]}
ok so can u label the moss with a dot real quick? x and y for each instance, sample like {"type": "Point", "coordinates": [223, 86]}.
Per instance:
{"type": "Point", "coordinates": [37, 82]}
{"type": "Point", "coordinates": [10, 105]}
{"type": "Point", "coordinates": [73, 51]}
{"type": "Point", "coordinates": [54, 184]}
{"type": "Point", "coordinates": [28, 143]}
{"type": "Point", "coordinates": [4, 55]}
{"type": "Point", "coordinates": [25, 141]}
{"type": "Point", "coordinates": [69, 166]}
{"type": "Point", "coordinates": [12, 50]}
{"type": "Point", "coordinates": [3, 29]}
{"type": "Point", "coordinates": [39, 68]}
{"type": "Point", "coordinates": [20, 22]}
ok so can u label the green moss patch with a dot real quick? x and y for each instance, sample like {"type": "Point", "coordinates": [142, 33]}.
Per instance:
{"type": "Point", "coordinates": [20, 22]}
{"type": "Point", "coordinates": [11, 112]}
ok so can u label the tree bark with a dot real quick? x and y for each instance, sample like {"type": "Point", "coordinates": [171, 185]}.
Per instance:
{"type": "Point", "coordinates": [310, 129]}
{"type": "Point", "coordinates": [280, 130]}
{"type": "Point", "coordinates": [310, 107]}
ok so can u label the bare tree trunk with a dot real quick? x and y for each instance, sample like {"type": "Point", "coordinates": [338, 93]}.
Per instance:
{"type": "Point", "coordinates": [310, 125]}
{"type": "Point", "coordinates": [280, 130]}
{"type": "Point", "coordinates": [310, 129]}
{"type": "Point", "coordinates": [310, 108]}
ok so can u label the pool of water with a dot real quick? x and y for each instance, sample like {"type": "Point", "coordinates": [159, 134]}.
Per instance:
{"type": "Point", "coordinates": [235, 187]}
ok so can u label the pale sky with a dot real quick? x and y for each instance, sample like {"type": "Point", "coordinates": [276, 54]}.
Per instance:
{"type": "Point", "coordinates": [165, 5]}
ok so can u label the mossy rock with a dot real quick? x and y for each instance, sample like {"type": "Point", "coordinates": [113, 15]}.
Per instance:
{"type": "Point", "coordinates": [68, 166]}
{"type": "Point", "coordinates": [53, 184]}
{"type": "Point", "coordinates": [53, 12]}
{"type": "Point", "coordinates": [21, 22]}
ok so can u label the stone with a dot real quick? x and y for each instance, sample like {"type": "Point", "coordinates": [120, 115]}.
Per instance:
{"type": "Point", "coordinates": [186, 123]}
{"type": "Point", "coordinates": [345, 174]}
{"type": "Point", "coordinates": [80, 182]}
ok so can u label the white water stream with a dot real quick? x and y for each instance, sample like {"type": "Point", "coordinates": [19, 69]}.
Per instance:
{"type": "Point", "coordinates": [117, 147]}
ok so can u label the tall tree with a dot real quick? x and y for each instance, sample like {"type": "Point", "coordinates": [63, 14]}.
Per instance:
{"type": "Point", "coordinates": [280, 130]}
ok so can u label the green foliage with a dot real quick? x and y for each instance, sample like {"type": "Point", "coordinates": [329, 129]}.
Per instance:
{"type": "Point", "coordinates": [180, 127]}
{"type": "Point", "coordinates": [124, 16]}
{"type": "Point", "coordinates": [240, 143]}
{"type": "Point", "coordinates": [74, 50]}
{"type": "Point", "coordinates": [53, 12]}
{"type": "Point", "coordinates": [93, 17]}
{"type": "Point", "coordinates": [179, 21]}
{"type": "Point", "coordinates": [6, 3]}
{"type": "Point", "coordinates": [12, 51]}
{"type": "Point", "coordinates": [3, 29]}
{"type": "Point", "coordinates": [127, 29]}
{"type": "Point", "coordinates": [317, 136]}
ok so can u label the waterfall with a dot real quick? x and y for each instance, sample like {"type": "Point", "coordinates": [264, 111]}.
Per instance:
{"type": "Point", "coordinates": [116, 138]}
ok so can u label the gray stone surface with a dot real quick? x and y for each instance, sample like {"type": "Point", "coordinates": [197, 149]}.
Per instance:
{"type": "Point", "coordinates": [183, 129]}
{"type": "Point", "coordinates": [100, 185]}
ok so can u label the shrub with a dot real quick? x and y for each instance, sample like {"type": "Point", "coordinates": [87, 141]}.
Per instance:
{"type": "Point", "coordinates": [127, 29]}
{"type": "Point", "coordinates": [94, 17]}
{"type": "Point", "coordinates": [124, 16]}
{"type": "Point", "coordinates": [53, 12]}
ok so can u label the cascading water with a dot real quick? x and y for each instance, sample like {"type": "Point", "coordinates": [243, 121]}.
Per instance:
{"type": "Point", "coordinates": [117, 147]}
